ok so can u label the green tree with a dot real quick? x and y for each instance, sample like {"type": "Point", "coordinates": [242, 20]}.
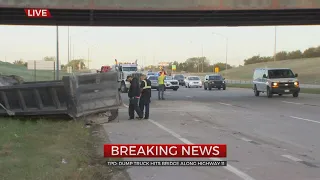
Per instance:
{"type": "Point", "coordinates": [77, 64]}
{"type": "Point", "coordinates": [19, 62]}
{"type": "Point", "coordinates": [222, 66]}
{"type": "Point", "coordinates": [294, 54]}
{"type": "Point", "coordinates": [311, 52]}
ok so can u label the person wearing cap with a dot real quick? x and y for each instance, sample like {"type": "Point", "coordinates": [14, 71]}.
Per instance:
{"type": "Point", "coordinates": [134, 95]}
{"type": "Point", "coordinates": [161, 78]}
{"type": "Point", "coordinates": [144, 102]}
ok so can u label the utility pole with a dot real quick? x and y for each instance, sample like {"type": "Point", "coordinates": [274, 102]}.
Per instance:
{"type": "Point", "coordinates": [202, 56]}
{"type": "Point", "coordinates": [275, 43]}
{"type": "Point", "coordinates": [57, 63]}
{"type": "Point", "coordinates": [73, 52]}
{"type": "Point", "coordinates": [226, 54]}
{"type": "Point", "coordinates": [88, 57]}
{"type": "Point", "coordinates": [68, 46]}
{"type": "Point", "coordinates": [226, 38]}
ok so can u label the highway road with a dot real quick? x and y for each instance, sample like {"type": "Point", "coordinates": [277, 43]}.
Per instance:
{"type": "Point", "coordinates": [267, 139]}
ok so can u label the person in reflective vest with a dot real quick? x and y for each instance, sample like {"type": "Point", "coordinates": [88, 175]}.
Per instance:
{"type": "Point", "coordinates": [144, 102]}
{"type": "Point", "coordinates": [161, 85]}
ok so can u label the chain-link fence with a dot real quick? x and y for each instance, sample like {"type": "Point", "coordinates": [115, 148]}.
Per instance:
{"type": "Point", "coordinates": [36, 72]}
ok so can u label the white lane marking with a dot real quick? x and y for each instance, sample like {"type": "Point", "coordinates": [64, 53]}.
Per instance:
{"type": "Point", "coordinates": [125, 105]}
{"type": "Point", "coordinates": [225, 104]}
{"type": "Point", "coordinates": [304, 119]}
{"type": "Point", "coordinates": [291, 102]}
{"type": "Point", "coordinates": [230, 168]}
{"type": "Point", "coordinates": [245, 139]}
{"type": "Point", "coordinates": [292, 158]}
{"type": "Point", "coordinates": [188, 96]}
{"type": "Point", "coordinates": [196, 120]}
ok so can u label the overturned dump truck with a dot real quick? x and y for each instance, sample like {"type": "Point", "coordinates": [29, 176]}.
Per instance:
{"type": "Point", "coordinates": [75, 95]}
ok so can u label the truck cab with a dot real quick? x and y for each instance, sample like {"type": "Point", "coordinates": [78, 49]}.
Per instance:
{"type": "Point", "coordinates": [124, 70]}
{"type": "Point", "coordinates": [105, 69]}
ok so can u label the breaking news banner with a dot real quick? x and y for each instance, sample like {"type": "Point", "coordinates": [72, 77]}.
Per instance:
{"type": "Point", "coordinates": [165, 150]}
{"type": "Point", "coordinates": [167, 163]}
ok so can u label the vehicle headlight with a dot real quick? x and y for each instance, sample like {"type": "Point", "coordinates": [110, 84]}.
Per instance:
{"type": "Point", "coordinates": [296, 83]}
{"type": "Point", "coordinates": [274, 84]}
{"type": "Point", "coordinates": [223, 82]}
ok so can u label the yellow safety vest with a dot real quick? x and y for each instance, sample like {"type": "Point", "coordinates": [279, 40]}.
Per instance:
{"type": "Point", "coordinates": [161, 79]}
{"type": "Point", "coordinates": [146, 85]}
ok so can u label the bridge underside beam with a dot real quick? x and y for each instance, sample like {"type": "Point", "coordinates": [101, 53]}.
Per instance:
{"type": "Point", "coordinates": [17, 16]}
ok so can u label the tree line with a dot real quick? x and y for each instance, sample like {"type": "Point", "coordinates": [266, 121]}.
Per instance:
{"type": "Point", "coordinates": [284, 55]}
{"type": "Point", "coordinates": [193, 64]}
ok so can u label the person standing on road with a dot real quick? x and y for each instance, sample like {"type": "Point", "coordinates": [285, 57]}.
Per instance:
{"type": "Point", "coordinates": [144, 102]}
{"type": "Point", "coordinates": [161, 85]}
{"type": "Point", "coordinates": [134, 95]}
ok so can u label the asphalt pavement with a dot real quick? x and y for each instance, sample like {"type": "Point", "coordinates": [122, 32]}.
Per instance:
{"type": "Point", "coordinates": [267, 138]}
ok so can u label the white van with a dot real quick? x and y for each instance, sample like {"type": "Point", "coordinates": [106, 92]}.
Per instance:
{"type": "Point", "coordinates": [275, 81]}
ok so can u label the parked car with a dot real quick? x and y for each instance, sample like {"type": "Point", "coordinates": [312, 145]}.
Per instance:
{"type": "Point", "coordinates": [171, 83]}
{"type": "Point", "coordinates": [214, 81]}
{"type": "Point", "coordinates": [154, 81]}
{"type": "Point", "coordinates": [193, 81]}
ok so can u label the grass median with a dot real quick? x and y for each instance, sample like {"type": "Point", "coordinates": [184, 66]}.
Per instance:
{"type": "Point", "coordinates": [51, 149]}
{"type": "Point", "coordinates": [303, 90]}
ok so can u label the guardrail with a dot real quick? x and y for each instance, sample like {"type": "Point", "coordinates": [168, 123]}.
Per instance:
{"type": "Point", "coordinates": [250, 82]}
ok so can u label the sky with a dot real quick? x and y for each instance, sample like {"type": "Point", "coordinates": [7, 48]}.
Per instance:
{"type": "Point", "coordinates": [151, 45]}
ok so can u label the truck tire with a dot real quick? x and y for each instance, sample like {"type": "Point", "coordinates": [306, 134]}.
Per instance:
{"type": "Point", "coordinates": [269, 93]}
{"type": "Point", "coordinates": [295, 95]}
{"type": "Point", "coordinates": [256, 92]}
{"type": "Point", "coordinates": [114, 114]}
{"type": "Point", "coordinates": [123, 88]}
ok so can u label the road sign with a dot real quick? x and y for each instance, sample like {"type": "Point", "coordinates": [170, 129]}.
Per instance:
{"type": "Point", "coordinates": [174, 67]}
{"type": "Point", "coordinates": [41, 65]}
{"type": "Point", "coordinates": [217, 69]}
{"type": "Point", "coordinates": [163, 63]}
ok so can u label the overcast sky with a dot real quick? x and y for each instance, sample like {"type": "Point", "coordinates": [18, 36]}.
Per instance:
{"type": "Point", "coordinates": [152, 45]}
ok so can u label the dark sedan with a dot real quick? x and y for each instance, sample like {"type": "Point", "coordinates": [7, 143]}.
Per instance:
{"type": "Point", "coordinates": [180, 79]}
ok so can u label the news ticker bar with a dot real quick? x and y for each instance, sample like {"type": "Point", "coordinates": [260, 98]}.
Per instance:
{"type": "Point", "coordinates": [167, 163]}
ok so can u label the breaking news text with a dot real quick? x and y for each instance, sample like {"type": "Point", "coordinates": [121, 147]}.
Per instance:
{"type": "Point", "coordinates": [167, 163]}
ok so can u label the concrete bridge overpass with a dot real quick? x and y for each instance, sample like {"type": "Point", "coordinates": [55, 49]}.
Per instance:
{"type": "Point", "coordinates": [163, 12]}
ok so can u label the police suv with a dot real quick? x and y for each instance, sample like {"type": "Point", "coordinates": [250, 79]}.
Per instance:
{"type": "Point", "coordinates": [214, 81]}
{"type": "Point", "coordinates": [275, 81]}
